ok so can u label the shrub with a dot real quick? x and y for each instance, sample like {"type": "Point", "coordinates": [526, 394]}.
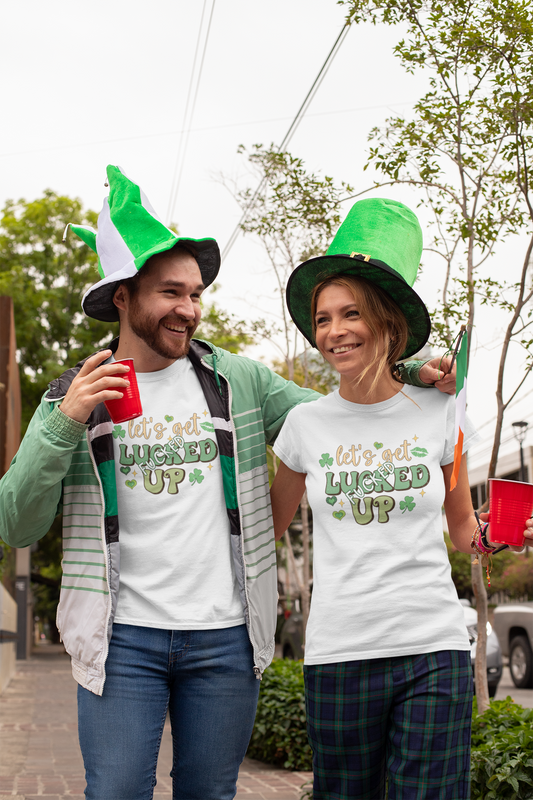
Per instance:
{"type": "Point", "coordinates": [502, 752]}
{"type": "Point", "coordinates": [280, 735]}
{"type": "Point", "coordinates": [516, 578]}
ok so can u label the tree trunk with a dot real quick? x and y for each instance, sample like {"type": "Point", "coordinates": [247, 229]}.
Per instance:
{"type": "Point", "coordinates": [290, 552]}
{"type": "Point", "coordinates": [478, 585]}
{"type": "Point", "coordinates": [482, 689]}
{"type": "Point", "coordinates": [287, 573]}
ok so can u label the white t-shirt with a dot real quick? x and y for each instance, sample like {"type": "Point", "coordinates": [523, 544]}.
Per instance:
{"type": "Point", "coordinates": [381, 577]}
{"type": "Point", "coordinates": [176, 568]}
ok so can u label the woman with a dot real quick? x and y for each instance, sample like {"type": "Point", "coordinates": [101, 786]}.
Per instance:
{"type": "Point", "coordinates": [387, 657]}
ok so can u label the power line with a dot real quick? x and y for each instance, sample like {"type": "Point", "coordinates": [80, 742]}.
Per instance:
{"type": "Point", "coordinates": [184, 141]}
{"type": "Point", "coordinates": [480, 451]}
{"type": "Point", "coordinates": [186, 111]}
{"type": "Point", "coordinates": [291, 131]}
{"type": "Point", "coordinates": [484, 449]}
{"type": "Point", "coordinates": [316, 85]}
{"type": "Point", "coordinates": [513, 403]}
{"type": "Point", "coordinates": [65, 145]}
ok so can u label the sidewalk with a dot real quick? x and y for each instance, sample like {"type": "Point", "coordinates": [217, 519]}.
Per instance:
{"type": "Point", "coordinates": [39, 751]}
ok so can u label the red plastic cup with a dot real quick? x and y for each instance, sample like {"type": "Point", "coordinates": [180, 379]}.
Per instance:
{"type": "Point", "coordinates": [511, 504]}
{"type": "Point", "coordinates": [129, 405]}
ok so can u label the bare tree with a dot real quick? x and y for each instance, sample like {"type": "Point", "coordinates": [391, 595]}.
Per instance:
{"type": "Point", "coordinates": [295, 215]}
{"type": "Point", "coordinates": [467, 147]}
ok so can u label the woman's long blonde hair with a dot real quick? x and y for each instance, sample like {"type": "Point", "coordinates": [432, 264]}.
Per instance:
{"type": "Point", "coordinates": [384, 318]}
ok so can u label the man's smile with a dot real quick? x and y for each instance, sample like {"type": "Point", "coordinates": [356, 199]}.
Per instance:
{"type": "Point", "coordinates": [177, 328]}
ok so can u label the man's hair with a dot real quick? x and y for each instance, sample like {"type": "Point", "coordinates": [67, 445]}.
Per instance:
{"type": "Point", "coordinates": [134, 284]}
{"type": "Point", "coordinates": [384, 318]}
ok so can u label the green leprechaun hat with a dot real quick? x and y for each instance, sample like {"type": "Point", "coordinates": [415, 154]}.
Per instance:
{"type": "Point", "coordinates": [129, 233]}
{"type": "Point", "coordinates": [380, 240]}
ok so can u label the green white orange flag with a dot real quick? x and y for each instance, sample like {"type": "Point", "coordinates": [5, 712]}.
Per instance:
{"type": "Point", "coordinates": [460, 408]}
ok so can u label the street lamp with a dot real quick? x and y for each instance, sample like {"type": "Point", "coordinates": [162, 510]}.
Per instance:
{"type": "Point", "coordinates": [520, 430]}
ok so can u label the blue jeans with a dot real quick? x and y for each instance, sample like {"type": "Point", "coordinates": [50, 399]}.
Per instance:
{"type": "Point", "coordinates": [204, 678]}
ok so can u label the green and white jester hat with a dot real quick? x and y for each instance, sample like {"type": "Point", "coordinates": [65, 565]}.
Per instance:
{"type": "Point", "coordinates": [129, 233]}
{"type": "Point", "coordinates": [380, 240]}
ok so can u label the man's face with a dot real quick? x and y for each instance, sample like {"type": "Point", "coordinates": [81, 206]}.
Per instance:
{"type": "Point", "coordinates": [165, 311]}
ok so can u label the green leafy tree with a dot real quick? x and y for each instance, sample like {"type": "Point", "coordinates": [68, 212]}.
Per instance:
{"type": "Point", "coordinates": [294, 214]}
{"type": "Point", "coordinates": [314, 372]}
{"type": "Point", "coordinates": [225, 330]}
{"type": "Point", "coordinates": [514, 577]}
{"type": "Point", "coordinates": [46, 279]}
{"type": "Point", "coordinates": [467, 148]}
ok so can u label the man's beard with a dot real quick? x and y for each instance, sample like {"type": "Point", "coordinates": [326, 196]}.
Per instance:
{"type": "Point", "coordinates": [149, 330]}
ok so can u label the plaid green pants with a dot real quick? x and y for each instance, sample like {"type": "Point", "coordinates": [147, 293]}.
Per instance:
{"type": "Point", "coordinates": [407, 719]}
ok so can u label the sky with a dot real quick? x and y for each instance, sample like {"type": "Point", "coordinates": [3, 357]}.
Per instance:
{"type": "Point", "coordinates": [91, 84]}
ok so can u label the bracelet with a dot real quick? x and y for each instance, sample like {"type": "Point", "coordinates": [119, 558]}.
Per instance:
{"type": "Point", "coordinates": [480, 544]}
{"type": "Point", "coordinates": [482, 541]}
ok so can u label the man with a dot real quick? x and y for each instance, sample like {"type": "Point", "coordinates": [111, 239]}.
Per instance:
{"type": "Point", "coordinates": [179, 615]}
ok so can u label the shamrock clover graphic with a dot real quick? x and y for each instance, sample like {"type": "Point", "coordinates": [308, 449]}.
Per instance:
{"type": "Point", "coordinates": [408, 504]}
{"type": "Point", "coordinates": [196, 476]}
{"type": "Point", "coordinates": [326, 459]}
{"type": "Point", "coordinates": [118, 432]}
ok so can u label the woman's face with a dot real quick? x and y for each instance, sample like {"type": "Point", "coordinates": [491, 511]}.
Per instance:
{"type": "Point", "coordinates": [342, 337]}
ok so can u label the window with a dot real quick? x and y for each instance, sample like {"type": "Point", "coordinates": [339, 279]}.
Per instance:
{"type": "Point", "coordinates": [478, 494]}
{"type": "Point", "coordinates": [515, 476]}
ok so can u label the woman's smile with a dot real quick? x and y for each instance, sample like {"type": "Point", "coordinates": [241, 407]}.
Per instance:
{"type": "Point", "coordinates": [345, 348]}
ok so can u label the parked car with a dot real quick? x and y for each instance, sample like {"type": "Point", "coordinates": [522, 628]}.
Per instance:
{"type": "Point", "coordinates": [291, 644]}
{"type": "Point", "coordinates": [514, 627]}
{"type": "Point", "coordinates": [494, 651]}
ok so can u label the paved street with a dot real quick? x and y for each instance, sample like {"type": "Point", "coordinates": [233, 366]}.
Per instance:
{"type": "Point", "coordinates": [39, 752]}
{"type": "Point", "coordinates": [523, 697]}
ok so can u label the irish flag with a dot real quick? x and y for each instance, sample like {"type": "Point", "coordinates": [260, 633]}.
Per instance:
{"type": "Point", "coordinates": [460, 408]}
